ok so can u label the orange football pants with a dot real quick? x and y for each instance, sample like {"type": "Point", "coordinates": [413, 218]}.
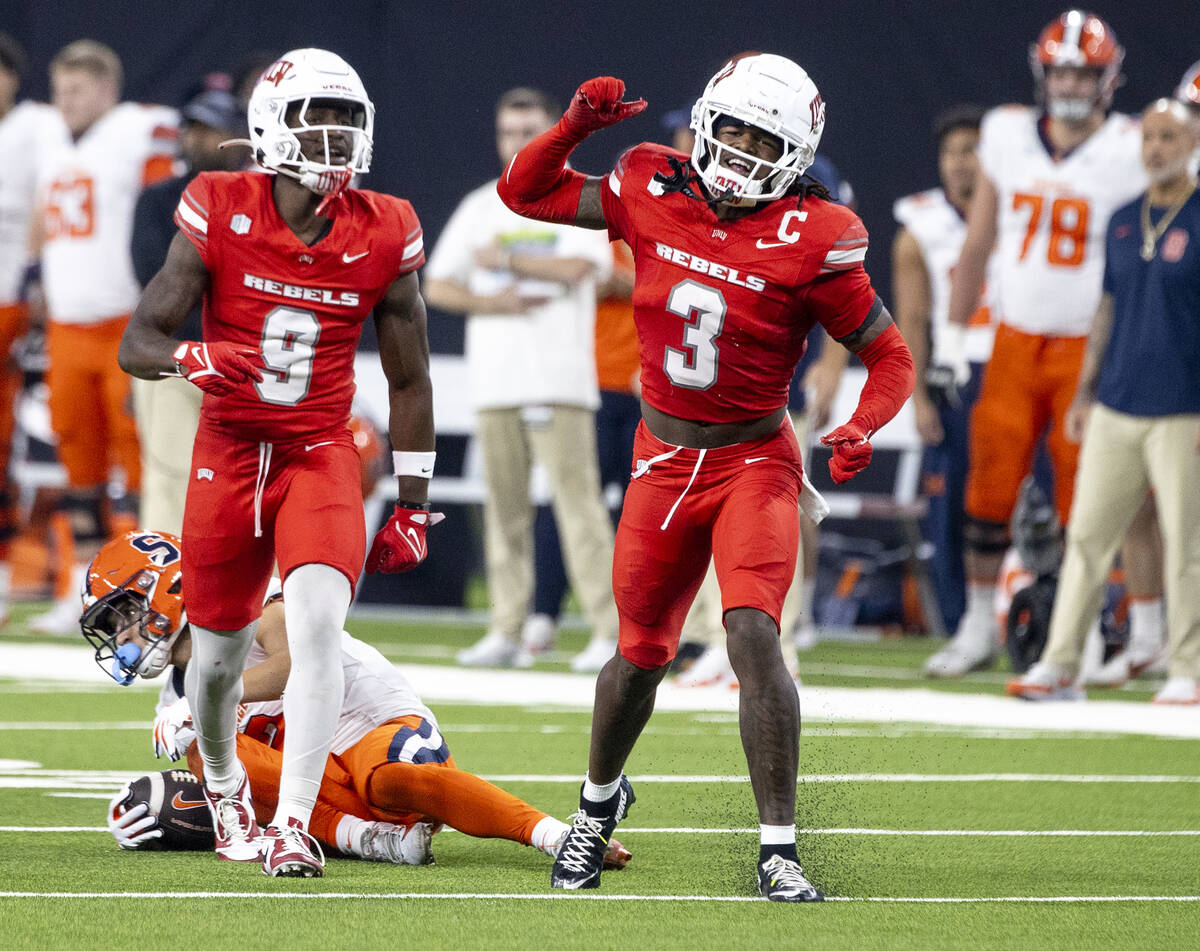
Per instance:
{"type": "Point", "coordinates": [91, 409]}
{"type": "Point", "coordinates": [1028, 385]}
{"type": "Point", "coordinates": [362, 782]}
{"type": "Point", "coordinates": [14, 321]}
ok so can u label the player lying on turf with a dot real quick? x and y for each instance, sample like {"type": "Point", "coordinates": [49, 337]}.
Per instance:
{"type": "Point", "coordinates": [390, 781]}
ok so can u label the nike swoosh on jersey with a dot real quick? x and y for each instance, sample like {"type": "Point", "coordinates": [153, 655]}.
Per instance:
{"type": "Point", "coordinates": [327, 442]}
{"type": "Point", "coordinates": [763, 245]}
{"type": "Point", "coordinates": [351, 258]}
{"type": "Point", "coordinates": [756, 459]}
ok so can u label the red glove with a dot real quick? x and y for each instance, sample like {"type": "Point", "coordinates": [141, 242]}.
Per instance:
{"type": "Point", "coordinates": [851, 451]}
{"type": "Point", "coordinates": [218, 367]}
{"type": "Point", "coordinates": [597, 103]}
{"type": "Point", "coordinates": [400, 544]}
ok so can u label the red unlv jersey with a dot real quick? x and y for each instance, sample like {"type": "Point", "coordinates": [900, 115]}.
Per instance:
{"type": "Point", "coordinates": [723, 307]}
{"type": "Point", "coordinates": [303, 305]}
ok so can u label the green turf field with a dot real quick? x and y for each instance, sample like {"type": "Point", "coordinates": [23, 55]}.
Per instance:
{"type": "Point", "coordinates": [922, 835]}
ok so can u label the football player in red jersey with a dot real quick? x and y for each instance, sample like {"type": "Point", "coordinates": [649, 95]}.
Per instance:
{"type": "Point", "coordinates": [289, 265]}
{"type": "Point", "coordinates": [737, 258]}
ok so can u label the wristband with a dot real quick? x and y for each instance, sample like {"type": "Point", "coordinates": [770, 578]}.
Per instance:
{"type": "Point", "coordinates": [415, 506]}
{"type": "Point", "coordinates": [419, 464]}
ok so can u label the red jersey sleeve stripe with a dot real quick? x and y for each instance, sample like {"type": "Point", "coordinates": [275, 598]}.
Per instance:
{"type": "Point", "coordinates": [186, 215]}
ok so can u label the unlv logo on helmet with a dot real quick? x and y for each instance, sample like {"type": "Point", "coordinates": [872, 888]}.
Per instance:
{"type": "Point", "coordinates": [816, 110]}
{"type": "Point", "coordinates": [276, 73]}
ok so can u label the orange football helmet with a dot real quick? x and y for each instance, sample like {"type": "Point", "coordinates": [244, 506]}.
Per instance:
{"type": "Point", "coordinates": [1189, 87]}
{"type": "Point", "coordinates": [135, 581]}
{"type": "Point", "coordinates": [1078, 38]}
{"type": "Point", "coordinates": [370, 446]}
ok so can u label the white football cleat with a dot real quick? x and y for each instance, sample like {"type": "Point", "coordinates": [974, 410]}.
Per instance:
{"type": "Point", "coordinates": [397, 844]}
{"type": "Point", "coordinates": [967, 651]}
{"type": "Point", "coordinates": [60, 620]}
{"type": "Point", "coordinates": [539, 634]}
{"type": "Point", "coordinates": [712, 669]}
{"type": "Point", "coordinates": [1044, 681]}
{"type": "Point", "coordinates": [1179, 691]}
{"type": "Point", "coordinates": [235, 830]}
{"type": "Point", "coordinates": [600, 651]}
{"type": "Point", "coordinates": [494, 649]}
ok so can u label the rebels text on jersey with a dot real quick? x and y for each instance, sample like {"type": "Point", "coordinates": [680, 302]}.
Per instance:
{"type": "Point", "coordinates": [303, 305]}
{"type": "Point", "coordinates": [723, 307]}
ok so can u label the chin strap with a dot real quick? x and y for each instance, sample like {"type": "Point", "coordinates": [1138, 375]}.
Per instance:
{"type": "Point", "coordinates": [331, 184]}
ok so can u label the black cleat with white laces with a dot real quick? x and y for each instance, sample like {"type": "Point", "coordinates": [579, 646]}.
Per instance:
{"type": "Point", "coordinates": [581, 856]}
{"type": "Point", "coordinates": [782, 879]}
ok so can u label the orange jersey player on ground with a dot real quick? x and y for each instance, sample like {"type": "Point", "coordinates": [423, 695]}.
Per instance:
{"type": "Point", "coordinates": [289, 264]}
{"type": "Point", "coordinates": [1052, 177]}
{"type": "Point", "coordinates": [103, 154]}
{"type": "Point", "coordinates": [738, 258]}
{"type": "Point", "coordinates": [390, 781]}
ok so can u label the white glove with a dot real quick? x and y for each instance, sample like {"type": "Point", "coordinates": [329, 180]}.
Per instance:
{"type": "Point", "coordinates": [173, 730]}
{"type": "Point", "coordinates": [952, 352]}
{"type": "Point", "coordinates": [132, 829]}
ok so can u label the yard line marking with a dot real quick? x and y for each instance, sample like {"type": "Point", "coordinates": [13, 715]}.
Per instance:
{"type": "Point", "coordinates": [868, 778]}
{"type": "Point", "coordinates": [689, 830]}
{"type": "Point", "coordinates": [67, 725]}
{"type": "Point", "coordinates": [577, 896]}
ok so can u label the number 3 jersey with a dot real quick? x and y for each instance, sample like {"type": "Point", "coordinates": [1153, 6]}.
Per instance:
{"type": "Point", "coordinates": [302, 305]}
{"type": "Point", "coordinates": [1052, 215]}
{"type": "Point", "coordinates": [723, 307]}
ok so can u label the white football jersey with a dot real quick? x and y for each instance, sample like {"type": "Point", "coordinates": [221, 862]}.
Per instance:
{"type": "Point", "coordinates": [1052, 216]}
{"type": "Point", "coordinates": [25, 135]}
{"type": "Point", "coordinates": [939, 231]}
{"type": "Point", "coordinates": [375, 691]}
{"type": "Point", "coordinates": [87, 192]}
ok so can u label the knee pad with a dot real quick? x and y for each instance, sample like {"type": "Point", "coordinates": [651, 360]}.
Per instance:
{"type": "Point", "coordinates": [84, 510]}
{"type": "Point", "coordinates": [984, 537]}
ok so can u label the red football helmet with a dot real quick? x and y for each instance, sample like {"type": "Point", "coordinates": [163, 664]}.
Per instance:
{"type": "Point", "coordinates": [1188, 91]}
{"type": "Point", "coordinates": [135, 581]}
{"type": "Point", "coordinates": [370, 446]}
{"type": "Point", "coordinates": [1078, 38]}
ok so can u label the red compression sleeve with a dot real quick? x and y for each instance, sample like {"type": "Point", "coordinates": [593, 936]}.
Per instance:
{"type": "Point", "coordinates": [537, 183]}
{"type": "Point", "coordinates": [890, 379]}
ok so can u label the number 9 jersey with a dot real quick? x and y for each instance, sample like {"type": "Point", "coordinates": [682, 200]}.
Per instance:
{"type": "Point", "coordinates": [303, 305]}
{"type": "Point", "coordinates": [723, 308]}
{"type": "Point", "coordinates": [1051, 215]}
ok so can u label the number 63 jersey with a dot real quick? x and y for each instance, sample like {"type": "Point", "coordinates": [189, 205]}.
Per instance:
{"type": "Point", "coordinates": [1052, 213]}
{"type": "Point", "coordinates": [302, 305]}
{"type": "Point", "coordinates": [723, 308]}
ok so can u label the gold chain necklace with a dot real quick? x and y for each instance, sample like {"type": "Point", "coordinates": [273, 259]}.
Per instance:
{"type": "Point", "coordinates": [1151, 235]}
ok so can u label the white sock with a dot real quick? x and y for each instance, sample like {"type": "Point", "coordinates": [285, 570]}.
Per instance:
{"type": "Point", "coordinates": [347, 834]}
{"type": "Point", "coordinates": [213, 683]}
{"type": "Point", "coordinates": [777, 835]}
{"type": "Point", "coordinates": [5, 587]}
{"type": "Point", "coordinates": [1145, 626]}
{"type": "Point", "coordinates": [808, 587]}
{"type": "Point", "coordinates": [594, 793]}
{"type": "Point", "coordinates": [547, 834]}
{"type": "Point", "coordinates": [979, 621]}
{"type": "Point", "coordinates": [315, 601]}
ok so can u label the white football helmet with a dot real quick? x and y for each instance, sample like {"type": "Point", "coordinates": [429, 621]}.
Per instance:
{"type": "Point", "coordinates": [1188, 91]}
{"type": "Point", "coordinates": [279, 105]}
{"type": "Point", "coordinates": [773, 94]}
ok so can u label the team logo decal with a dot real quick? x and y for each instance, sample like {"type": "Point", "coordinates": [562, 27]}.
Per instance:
{"type": "Point", "coordinates": [276, 73]}
{"type": "Point", "coordinates": [1174, 244]}
{"type": "Point", "coordinates": [816, 111]}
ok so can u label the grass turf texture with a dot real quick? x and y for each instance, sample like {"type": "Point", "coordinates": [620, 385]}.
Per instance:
{"type": "Point", "coordinates": [515, 740]}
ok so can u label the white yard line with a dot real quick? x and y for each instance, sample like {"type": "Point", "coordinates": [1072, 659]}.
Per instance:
{"type": "Point", "coordinates": [919, 833]}
{"type": "Point", "coordinates": [578, 896]}
{"type": "Point", "coordinates": [64, 666]}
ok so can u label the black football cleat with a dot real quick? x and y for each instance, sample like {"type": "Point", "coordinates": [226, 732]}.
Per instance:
{"type": "Point", "coordinates": [581, 856]}
{"type": "Point", "coordinates": [781, 879]}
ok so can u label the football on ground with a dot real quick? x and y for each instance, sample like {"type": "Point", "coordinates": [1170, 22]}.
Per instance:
{"type": "Point", "coordinates": [176, 797]}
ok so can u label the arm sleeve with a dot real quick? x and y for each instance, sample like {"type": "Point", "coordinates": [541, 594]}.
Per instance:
{"type": "Point", "coordinates": [192, 214]}
{"type": "Point", "coordinates": [616, 210]}
{"type": "Point", "coordinates": [890, 379]}
{"type": "Point", "coordinates": [413, 252]}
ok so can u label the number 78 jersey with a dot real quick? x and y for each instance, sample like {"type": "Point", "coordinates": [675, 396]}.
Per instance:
{"type": "Point", "coordinates": [1052, 216]}
{"type": "Point", "coordinates": [302, 305]}
{"type": "Point", "coordinates": [723, 308]}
